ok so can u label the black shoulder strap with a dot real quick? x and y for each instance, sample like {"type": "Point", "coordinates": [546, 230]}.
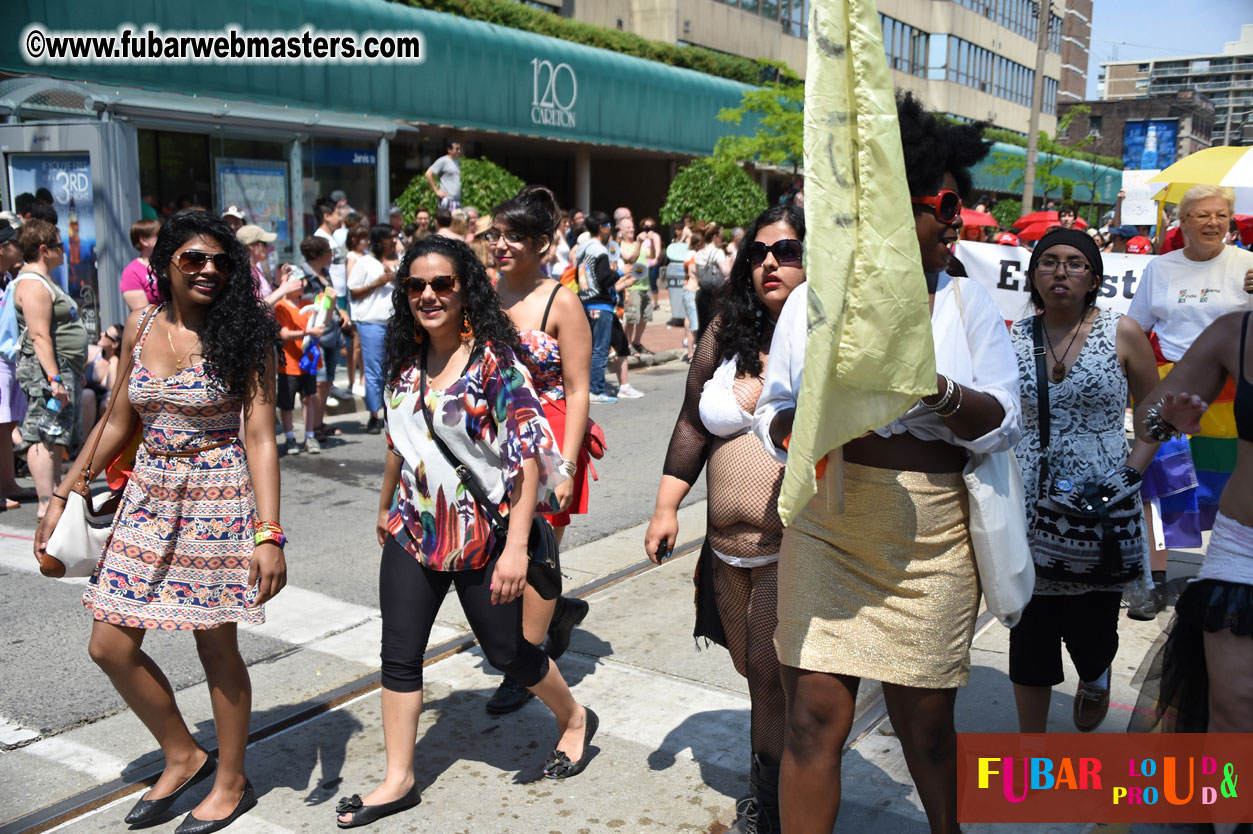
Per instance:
{"type": "Point", "coordinates": [463, 472]}
{"type": "Point", "coordinates": [1041, 383]}
{"type": "Point", "coordinates": [543, 325]}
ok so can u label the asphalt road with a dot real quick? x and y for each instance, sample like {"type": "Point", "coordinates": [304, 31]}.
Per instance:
{"type": "Point", "coordinates": [48, 684]}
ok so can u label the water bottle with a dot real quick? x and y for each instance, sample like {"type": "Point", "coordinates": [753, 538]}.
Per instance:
{"type": "Point", "coordinates": [50, 423]}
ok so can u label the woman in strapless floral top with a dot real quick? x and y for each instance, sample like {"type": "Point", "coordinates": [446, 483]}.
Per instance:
{"type": "Point", "coordinates": [557, 343]}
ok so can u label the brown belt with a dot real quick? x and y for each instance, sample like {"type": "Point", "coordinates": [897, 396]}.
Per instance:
{"type": "Point", "coordinates": [187, 453]}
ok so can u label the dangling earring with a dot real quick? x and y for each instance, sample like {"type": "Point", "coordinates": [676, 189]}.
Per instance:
{"type": "Point", "coordinates": [467, 332]}
{"type": "Point", "coordinates": [417, 332]}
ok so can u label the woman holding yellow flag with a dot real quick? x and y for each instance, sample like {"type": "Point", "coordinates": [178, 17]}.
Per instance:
{"type": "Point", "coordinates": [887, 588]}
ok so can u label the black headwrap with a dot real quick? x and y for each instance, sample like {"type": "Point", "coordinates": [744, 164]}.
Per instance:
{"type": "Point", "coordinates": [1069, 237]}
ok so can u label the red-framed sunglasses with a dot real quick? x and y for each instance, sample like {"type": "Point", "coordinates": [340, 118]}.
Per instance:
{"type": "Point", "coordinates": [947, 205]}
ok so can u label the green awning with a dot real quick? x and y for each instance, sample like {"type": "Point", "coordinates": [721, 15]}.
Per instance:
{"type": "Point", "coordinates": [474, 76]}
{"type": "Point", "coordinates": [1084, 174]}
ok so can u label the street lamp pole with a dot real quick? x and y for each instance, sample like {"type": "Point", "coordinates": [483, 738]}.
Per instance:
{"type": "Point", "coordinates": [1044, 7]}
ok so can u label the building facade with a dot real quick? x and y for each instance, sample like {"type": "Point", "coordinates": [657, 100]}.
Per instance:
{"type": "Point", "coordinates": [1188, 115]}
{"type": "Point", "coordinates": [972, 59]}
{"type": "Point", "coordinates": [1225, 79]}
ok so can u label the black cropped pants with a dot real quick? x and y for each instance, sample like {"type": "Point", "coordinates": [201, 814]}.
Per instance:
{"type": "Point", "coordinates": [410, 595]}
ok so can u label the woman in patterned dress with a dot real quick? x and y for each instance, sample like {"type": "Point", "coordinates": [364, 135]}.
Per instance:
{"type": "Point", "coordinates": [1095, 356]}
{"type": "Point", "coordinates": [453, 368]}
{"type": "Point", "coordinates": [182, 555]}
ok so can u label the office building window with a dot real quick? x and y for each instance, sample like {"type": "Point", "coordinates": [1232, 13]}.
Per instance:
{"type": "Point", "coordinates": [905, 45]}
{"type": "Point", "coordinates": [795, 17]}
{"type": "Point", "coordinates": [959, 61]}
{"type": "Point", "coordinates": [769, 9]}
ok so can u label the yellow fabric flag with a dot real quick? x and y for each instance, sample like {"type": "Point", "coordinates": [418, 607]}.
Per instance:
{"type": "Point", "coordinates": [869, 354]}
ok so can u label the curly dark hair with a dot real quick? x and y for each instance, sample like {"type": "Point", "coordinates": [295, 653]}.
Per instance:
{"type": "Point", "coordinates": [744, 326]}
{"type": "Point", "coordinates": [490, 323]}
{"type": "Point", "coordinates": [934, 147]}
{"type": "Point", "coordinates": [239, 333]}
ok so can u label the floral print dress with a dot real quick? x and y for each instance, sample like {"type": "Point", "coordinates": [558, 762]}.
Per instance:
{"type": "Point", "coordinates": [492, 421]}
{"type": "Point", "coordinates": [182, 539]}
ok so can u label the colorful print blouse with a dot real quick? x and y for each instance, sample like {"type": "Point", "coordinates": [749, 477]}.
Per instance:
{"type": "Point", "coordinates": [491, 420]}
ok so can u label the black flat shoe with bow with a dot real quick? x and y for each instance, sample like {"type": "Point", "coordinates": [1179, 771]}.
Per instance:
{"type": "Point", "coordinates": [559, 765]}
{"type": "Point", "coordinates": [365, 814]}
{"type": "Point", "coordinates": [192, 825]}
{"type": "Point", "coordinates": [148, 811]}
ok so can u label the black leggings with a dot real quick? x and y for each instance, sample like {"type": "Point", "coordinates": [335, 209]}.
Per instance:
{"type": "Point", "coordinates": [410, 595]}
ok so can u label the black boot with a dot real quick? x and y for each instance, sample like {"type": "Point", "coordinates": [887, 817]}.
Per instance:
{"type": "Point", "coordinates": [758, 813]}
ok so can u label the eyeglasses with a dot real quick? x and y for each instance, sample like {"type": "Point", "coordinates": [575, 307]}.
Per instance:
{"type": "Point", "coordinates": [786, 251]}
{"type": "Point", "coordinates": [947, 205]}
{"type": "Point", "coordinates": [646, 228]}
{"type": "Point", "coordinates": [440, 285]}
{"type": "Point", "coordinates": [1074, 266]}
{"type": "Point", "coordinates": [1207, 217]}
{"type": "Point", "coordinates": [193, 261]}
{"type": "Point", "coordinates": [513, 238]}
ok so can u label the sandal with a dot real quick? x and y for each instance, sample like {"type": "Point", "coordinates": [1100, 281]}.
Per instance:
{"type": "Point", "coordinates": [366, 814]}
{"type": "Point", "coordinates": [10, 504]}
{"type": "Point", "coordinates": [559, 766]}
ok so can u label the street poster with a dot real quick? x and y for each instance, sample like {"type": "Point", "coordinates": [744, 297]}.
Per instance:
{"type": "Point", "coordinates": [1138, 206]}
{"type": "Point", "coordinates": [67, 177]}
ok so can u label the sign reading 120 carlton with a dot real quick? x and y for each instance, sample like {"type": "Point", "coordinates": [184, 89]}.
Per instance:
{"type": "Point", "coordinates": [554, 90]}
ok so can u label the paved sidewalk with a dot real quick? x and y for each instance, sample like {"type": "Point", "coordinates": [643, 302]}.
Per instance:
{"type": "Point", "coordinates": [671, 754]}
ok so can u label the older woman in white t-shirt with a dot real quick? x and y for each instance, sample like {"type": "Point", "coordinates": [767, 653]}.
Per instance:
{"type": "Point", "coordinates": [1179, 295]}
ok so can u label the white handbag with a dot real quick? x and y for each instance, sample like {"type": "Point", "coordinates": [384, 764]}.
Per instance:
{"type": "Point", "coordinates": [85, 525]}
{"type": "Point", "coordinates": [998, 525]}
{"type": "Point", "coordinates": [998, 534]}
{"type": "Point", "coordinates": [82, 533]}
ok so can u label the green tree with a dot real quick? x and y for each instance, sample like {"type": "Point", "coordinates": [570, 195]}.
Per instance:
{"type": "Point", "coordinates": [714, 189]}
{"type": "Point", "coordinates": [1052, 154]}
{"type": "Point", "coordinates": [778, 106]}
{"type": "Point", "coordinates": [484, 185]}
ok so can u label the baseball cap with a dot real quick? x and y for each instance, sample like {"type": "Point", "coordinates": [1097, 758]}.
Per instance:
{"type": "Point", "coordinates": [7, 234]}
{"type": "Point", "coordinates": [250, 234]}
{"type": "Point", "coordinates": [1139, 245]}
{"type": "Point", "coordinates": [1007, 239]}
{"type": "Point", "coordinates": [1127, 232]}
{"type": "Point", "coordinates": [235, 211]}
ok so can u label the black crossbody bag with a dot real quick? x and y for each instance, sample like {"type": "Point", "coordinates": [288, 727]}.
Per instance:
{"type": "Point", "coordinates": [543, 572]}
{"type": "Point", "coordinates": [1091, 532]}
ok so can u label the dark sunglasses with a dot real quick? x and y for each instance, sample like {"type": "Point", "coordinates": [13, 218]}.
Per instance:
{"type": "Point", "coordinates": [192, 261]}
{"type": "Point", "coordinates": [440, 284]}
{"type": "Point", "coordinates": [786, 251]}
{"type": "Point", "coordinates": [947, 205]}
{"type": "Point", "coordinates": [117, 340]}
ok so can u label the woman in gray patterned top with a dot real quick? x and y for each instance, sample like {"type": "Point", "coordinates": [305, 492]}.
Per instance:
{"type": "Point", "coordinates": [1092, 356]}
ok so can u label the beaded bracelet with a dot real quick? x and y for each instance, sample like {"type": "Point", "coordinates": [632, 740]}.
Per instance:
{"type": "Point", "coordinates": [948, 395]}
{"type": "Point", "coordinates": [957, 404]}
{"type": "Point", "coordinates": [1156, 426]}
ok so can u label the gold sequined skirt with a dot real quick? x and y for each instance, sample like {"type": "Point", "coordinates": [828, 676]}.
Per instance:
{"type": "Point", "coordinates": [888, 589]}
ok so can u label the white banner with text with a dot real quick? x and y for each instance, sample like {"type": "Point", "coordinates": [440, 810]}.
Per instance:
{"type": "Point", "coordinates": [1002, 270]}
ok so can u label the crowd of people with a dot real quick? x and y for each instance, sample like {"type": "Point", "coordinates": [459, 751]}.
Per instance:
{"type": "Point", "coordinates": [481, 343]}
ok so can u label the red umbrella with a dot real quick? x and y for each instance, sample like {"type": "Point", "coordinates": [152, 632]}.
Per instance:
{"type": "Point", "coordinates": [970, 217]}
{"type": "Point", "coordinates": [1035, 231]}
{"type": "Point", "coordinates": [1048, 217]}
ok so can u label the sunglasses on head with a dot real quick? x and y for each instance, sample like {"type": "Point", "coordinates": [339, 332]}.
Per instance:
{"type": "Point", "coordinates": [947, 205]}
{"type": "Point", "coordinates": [192, 261]}
{"type": "Point", "coordinates": [786, 251]}
{"type": "Point", "coordinates": [440, 284]}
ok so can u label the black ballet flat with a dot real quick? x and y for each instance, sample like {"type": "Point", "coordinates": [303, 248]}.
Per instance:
{"type": "Point", "coordinates": [559, 765]}
{"type": "Point", "coordinates": [148, 811]}
{"type": "Point", "coordinates": [366, 814]}
{"type": "Point", "coordinates": [191, 825]}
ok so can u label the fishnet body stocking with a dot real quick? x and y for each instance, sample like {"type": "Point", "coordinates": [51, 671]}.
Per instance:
{"type": "Point", "coordinates": [747, 599]}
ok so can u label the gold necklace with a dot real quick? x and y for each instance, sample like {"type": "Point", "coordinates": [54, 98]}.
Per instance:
{"type": "Point", "coordinates": [178, 363]}
{"type": "Point", "coordinates": [1059, 369]}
